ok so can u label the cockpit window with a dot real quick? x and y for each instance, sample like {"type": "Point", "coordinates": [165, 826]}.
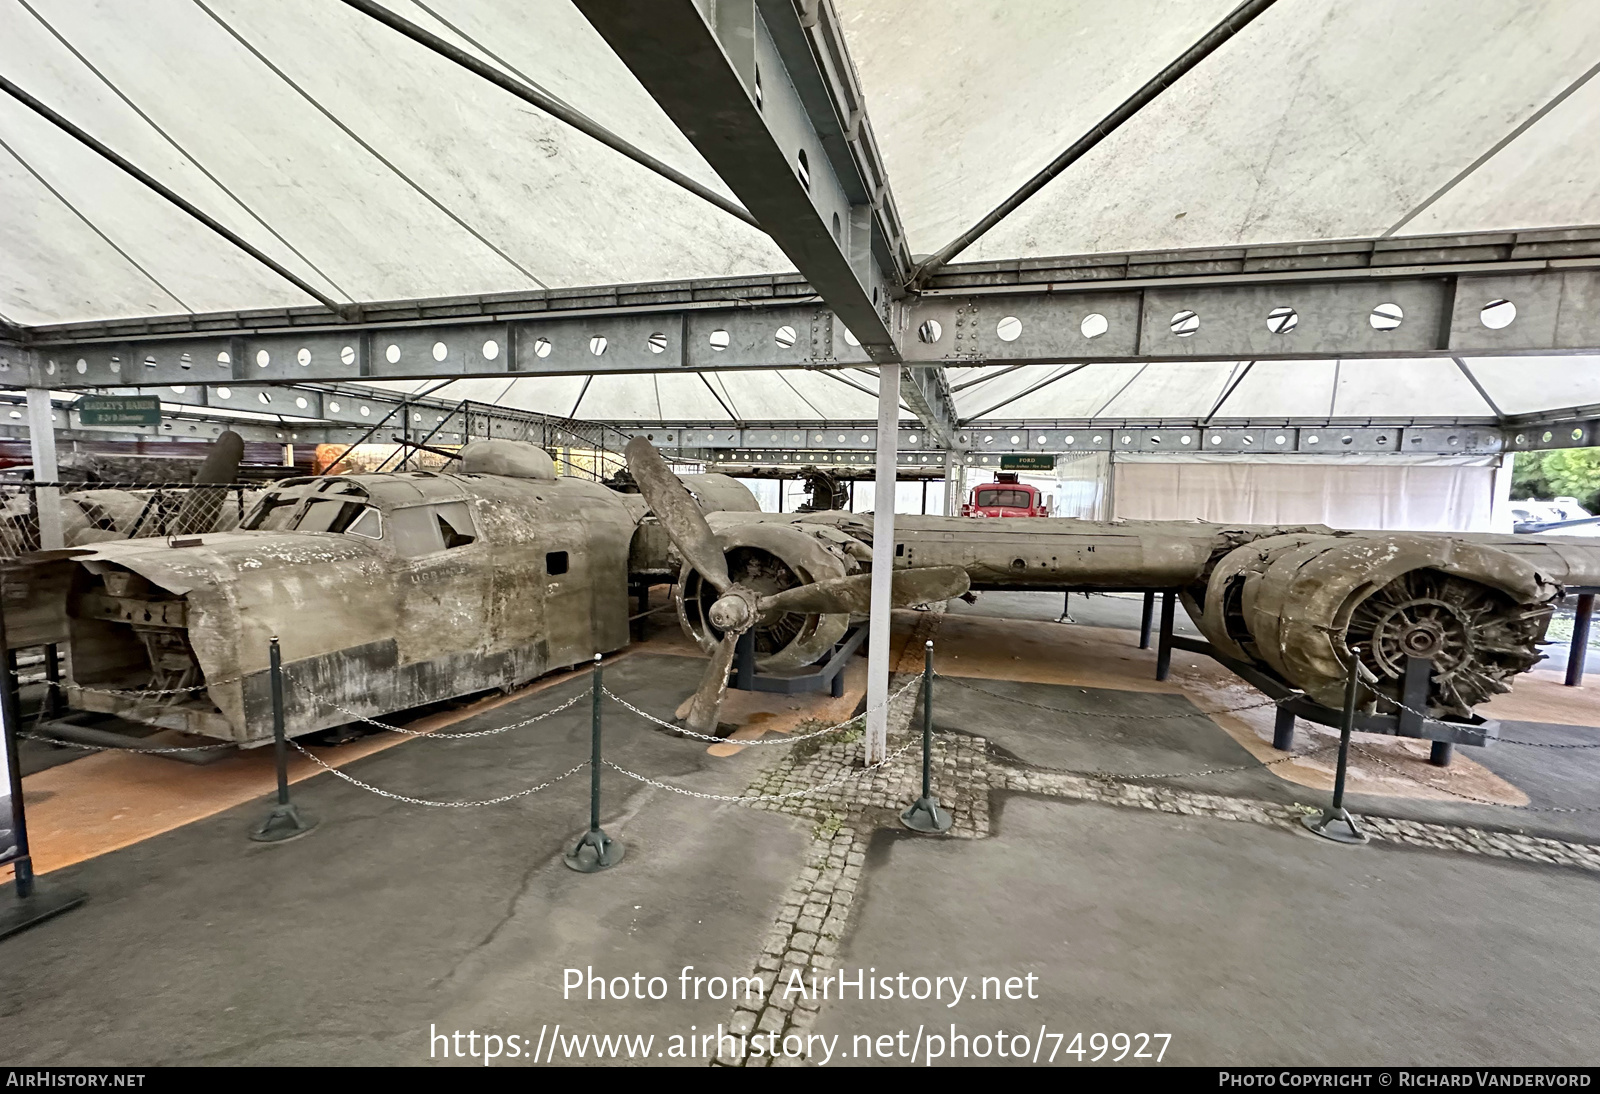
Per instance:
{"type": "Point", "coordinates": [329, 515]}
{"type": "Point", "coordinates": [369, 524]}
{"type": "Point", "coordinates": [307, 505]}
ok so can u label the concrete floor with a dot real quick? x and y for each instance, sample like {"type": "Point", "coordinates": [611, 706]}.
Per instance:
{"type": "Point", "coordinates": [1554, 778]}
{"type": "Point", "coordinates": [1249, 944]}
{"type": "Point", "coordinates": [343, 946]}
{"type": "Point", "coordinates": [1244, 943]}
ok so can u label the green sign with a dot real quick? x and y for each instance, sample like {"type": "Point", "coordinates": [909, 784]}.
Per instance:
{"type": "Point", "coordinates": [118, 410]}
{"type": "Point", "coordinates": [1028, 462]}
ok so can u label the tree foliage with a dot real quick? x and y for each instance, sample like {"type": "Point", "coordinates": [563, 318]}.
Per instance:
{"type": "Point", "coordinates": [1566, 472]}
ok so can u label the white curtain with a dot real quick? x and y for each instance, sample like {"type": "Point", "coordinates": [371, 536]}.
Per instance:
{"type": "Point", "coordinates": [1435, 494]}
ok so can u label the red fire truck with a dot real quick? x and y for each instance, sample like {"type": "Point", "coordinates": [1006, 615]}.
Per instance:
{"type": "Point", "coordinates": [1006, 497]}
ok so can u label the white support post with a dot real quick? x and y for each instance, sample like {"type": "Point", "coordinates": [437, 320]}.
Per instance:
{"type": "Point", "coordinates": [882, 564]}
{"type": "Point", "coordinates": [42, 440]}
{"type": "Point", "coordinates": [954, 484]}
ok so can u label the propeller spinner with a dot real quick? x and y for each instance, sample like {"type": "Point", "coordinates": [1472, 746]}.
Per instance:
{"type": "Point", "coordinates": [738, 607]}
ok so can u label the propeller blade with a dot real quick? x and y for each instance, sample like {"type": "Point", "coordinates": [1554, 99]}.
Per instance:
{"type": "Point", "coordinates": [708, 697]}
{"type": "Point", "coordinates": [678, 513]}
{"type": "Point", "coordinates": [920, 585]}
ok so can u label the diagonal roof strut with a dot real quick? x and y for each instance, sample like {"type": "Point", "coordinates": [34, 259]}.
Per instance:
{"type": "Point", "coordinates": [550, 105]}
{"type": "Point", "coordinates": [1232, 24]}
{"type": "Point", "coordinates": [83, 137]}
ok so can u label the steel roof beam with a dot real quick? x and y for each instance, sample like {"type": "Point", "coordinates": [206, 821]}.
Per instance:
{"type": "Point", "coordinates": [1365, 298]}
{"type": "Point", "coordinates": [1436, 316]}
{"type": "Point", "coordinates": [768, 96]}
{"type": "Point", "coordinates": [1285, 264]}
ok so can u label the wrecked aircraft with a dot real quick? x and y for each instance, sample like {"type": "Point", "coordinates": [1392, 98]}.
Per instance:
{"type": "Point", "coordinates": [389, 591]}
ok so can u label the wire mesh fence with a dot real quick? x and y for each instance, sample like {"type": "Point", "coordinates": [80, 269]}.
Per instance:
{"type": "Point", "coordinates": [95, 511]}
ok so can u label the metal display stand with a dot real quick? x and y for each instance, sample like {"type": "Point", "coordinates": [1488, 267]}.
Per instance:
{"type": "Point", "coordinates": [1145, 617]}
{"type": "Point", "coordinates": [1578, 653]}
{"type": "Point", "coordinates": [828, 676]}
{"type": "Point", "coordinates": [1408, 722]}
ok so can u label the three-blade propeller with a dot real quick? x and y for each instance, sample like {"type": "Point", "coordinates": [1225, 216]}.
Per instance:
{"type": "Point", "coordinates": [737, 608]}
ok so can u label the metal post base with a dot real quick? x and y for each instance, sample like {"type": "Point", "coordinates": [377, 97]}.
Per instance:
{"type": "Point", "coordinates": [925, 815]}
{"type": "Point", "coordinates": [594, 852]}
{"type": "Point", "coordinates": [1337, 825]}
{"type": "Point", "coordinates": [285, 822]}
{"type": "Point", "coordinates": [20, 913]}
{"type": "Point", "coordinates": [1066, 609]}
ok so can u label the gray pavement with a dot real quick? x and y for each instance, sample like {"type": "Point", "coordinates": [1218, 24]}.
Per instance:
{"type": "Point", "coordinates": [1243, 942]}
{"type": "Point", "coordinates": [1246, 943]}
{"type": "Point", "coordinates": [343, 947]}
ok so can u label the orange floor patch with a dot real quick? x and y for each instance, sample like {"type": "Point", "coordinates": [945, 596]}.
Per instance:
{"type": "Point", "coordinates": [111, 800]}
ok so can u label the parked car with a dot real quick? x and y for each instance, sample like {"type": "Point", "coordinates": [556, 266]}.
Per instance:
{"type": "Point", "coordinates": [1534, 515]}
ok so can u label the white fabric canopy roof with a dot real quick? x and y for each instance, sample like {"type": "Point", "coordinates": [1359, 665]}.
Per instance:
{"type": "Point", "coordinates": [379, 171]}
{"type": "Point", "coordinates": [1121, 391]}
{"type": "Point", "coordinates": [1324, 119]}
{"type": "Point", "coordinates": [533, 202]}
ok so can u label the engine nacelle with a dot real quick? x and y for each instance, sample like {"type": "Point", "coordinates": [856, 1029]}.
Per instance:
{"type": "Point", "coordinates": [769, 558]}
{"type": "Point", "coordinates": [1298, 603]}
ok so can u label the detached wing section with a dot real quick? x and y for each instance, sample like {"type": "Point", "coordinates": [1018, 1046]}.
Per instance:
{"type": "Point", "coordinates": [1300, 603]}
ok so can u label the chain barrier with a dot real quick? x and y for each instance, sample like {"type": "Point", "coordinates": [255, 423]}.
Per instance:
{"type": "Point", "coordinates": [1131, 777]}
{"type": "Point", "coordinates": [835, 781]}
{"type": "Point", "coordinates": [784, 740]}
{"type": "Point", "coordinates": [138, 693]}
{"type": "Point", "coordinates": [424, 733]}
{"type": "Point", "coordinates": [1381, 762]}
{"type": "Point", "coordinates": [1257, 705]}
{"type": "Point", "coordinates": [353, 781]}
{"type": "Point", "coordinates": [119, 748]}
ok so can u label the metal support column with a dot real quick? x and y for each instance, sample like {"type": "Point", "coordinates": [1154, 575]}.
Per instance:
{"type": "Point", "coordinates": [954, 474]}
{"type": "Point", "coordinates": [42, 441]}
{"type": "Point", "coordinates": [54, 699]}
{"type": "Point", "coordinates": [744, 661]}
{"type": "Point", "coordinates": [882, 566]}
{"type": "Point", "coordinates": [1164, 639]}
{"type": "Point", "coordinates": [1579, 652]}
{"type": "Point", "coordinates": [1283, 730]}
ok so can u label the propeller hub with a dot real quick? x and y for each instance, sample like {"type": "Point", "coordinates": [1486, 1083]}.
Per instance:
{"type": "Point", "coordinates": [733, 612]}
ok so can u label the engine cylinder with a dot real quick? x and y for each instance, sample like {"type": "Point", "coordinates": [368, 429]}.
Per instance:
{"type": "Point", "coordinates": [1299, 604]}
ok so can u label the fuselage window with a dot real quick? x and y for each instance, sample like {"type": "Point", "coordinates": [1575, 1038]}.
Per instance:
{"type": "Point", "coordinates": [455, 524]}
{"type": "Point", "coordinates": [555, 563]}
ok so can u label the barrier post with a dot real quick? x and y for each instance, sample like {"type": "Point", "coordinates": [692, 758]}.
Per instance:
{"type": "Point", "coordinates": [285, 822]}
{"type": "Point", "coordinates": [925, 815]}
{"type": "Point", "coordinates": [595, 850]}
{"type": "Point", "coordinates": [1336, 823]}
